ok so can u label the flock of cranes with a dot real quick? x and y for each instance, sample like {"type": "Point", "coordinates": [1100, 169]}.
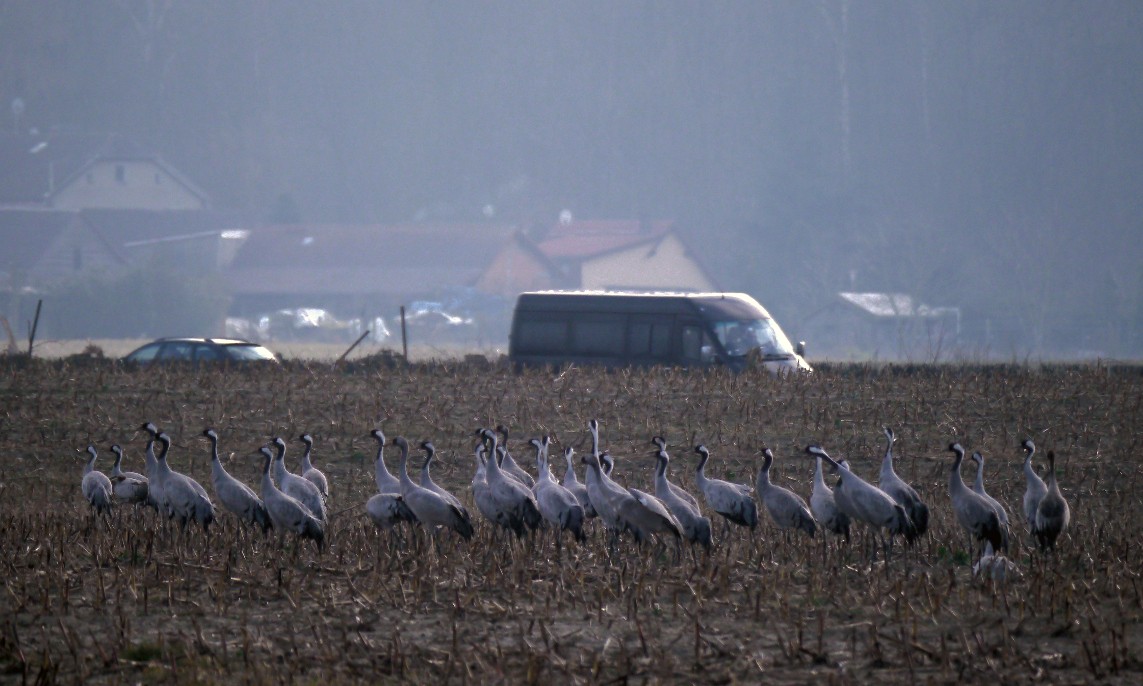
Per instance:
{"type": "Point", "coordinates": [509, 497]}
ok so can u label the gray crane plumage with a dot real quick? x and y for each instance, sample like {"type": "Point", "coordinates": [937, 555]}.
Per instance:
{"type": "Point", "coordinates": [652, 516]}
{"type": "Point", "coordinates": [900, 491]}
{"type": "Point", "coordinates": [995, 566]}
{"type": "Point", "coordinates": [978, 487]}
{"type": "Point", "coordinates": [429, 507]}
{"type": "Point", "coordinates": [1053, 513]}
{"type": "Point", "coordinates": [630, 510]}
{"type": "Point", "coordinates": [618, 508]}
{"type": "Point", "coordinates": [130, 487]}
{"type": "Point", "coordinates": [679, 491]}
{"type": "Point", "coordinates": [573, 485]}
{"type": "Point", "coordinates": [483, 497]}
{"type": "Point", "coordinates": [387, 508]}
{"type": "Point", "coordinates": [824, 506]}
{"type": "Point", "coordinates": [186, 500]}
{"type": "Point", "coordinates": [864, 502]}
{"type": "Point", "coordinates": [155, 496]}
{"type": "Point", "coordinates": [787, 509]}
{"type": "Point", "coordinates": [734, 502]}
{"type": "Point", "coordinates": [974, 514]}
{"type": "Point", "coordinates": [684, 507]}
{"type": "Point", "coordinates": [299, 488]}
{"type": "Point", "coordinates": [286, 513]}
{"type": "Point", "coordinates": [234, 495]}
{"type": "Point", "coordinates": [514, 502]}
{"type": "Point", "coordinates": [558, 506]}
{"type": "Point", "coordinates": [509, 465]}
{"type": "Point", "coordinates": [386, 482]}
{"type": "Point", "coordinates": [427, 478]}
{"type": "Point", "coordinates": [1036, 488]}
{"type": "Point", "coordinates": [95, 485]}
{"type": "Point", "coordinates": [309, 471]}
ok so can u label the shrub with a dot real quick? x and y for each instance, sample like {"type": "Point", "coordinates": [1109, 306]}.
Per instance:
{"type": "Point", "coordinates": [142, 303]}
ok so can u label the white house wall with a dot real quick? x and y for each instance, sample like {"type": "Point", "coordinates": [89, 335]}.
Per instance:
{"type": "Point", "coordinates": [127, 184]}
{"type": "Point", "coordinates": [655, 266]}
{"type": "Point", "coordinates": [73, 253]}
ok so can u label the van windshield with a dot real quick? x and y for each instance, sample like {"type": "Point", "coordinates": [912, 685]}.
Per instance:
{"type": "Point", "coordinates": [740, 336]}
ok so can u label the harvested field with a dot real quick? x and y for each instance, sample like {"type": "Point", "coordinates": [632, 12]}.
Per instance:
{"type": "Point", "coordinates": [129, 600]}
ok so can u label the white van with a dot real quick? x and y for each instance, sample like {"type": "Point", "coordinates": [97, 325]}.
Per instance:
{"type": "Point", "coordinates": [556, 328]}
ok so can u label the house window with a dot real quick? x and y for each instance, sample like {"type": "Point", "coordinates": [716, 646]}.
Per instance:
{"type": "Point", "coordinates": [120, 173]}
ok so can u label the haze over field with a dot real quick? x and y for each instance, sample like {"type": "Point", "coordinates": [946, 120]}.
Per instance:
{"type": "Point", "coordinates": [979, 155]}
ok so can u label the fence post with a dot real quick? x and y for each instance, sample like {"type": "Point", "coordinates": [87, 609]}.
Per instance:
{"type": "Point", "coordinates": [404, 337]}
{"type": "Point", "coordinates": [35, 325]}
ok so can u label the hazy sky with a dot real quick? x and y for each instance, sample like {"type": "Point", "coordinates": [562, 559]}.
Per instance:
{"type": "Point", "coordinates": [980, 154]}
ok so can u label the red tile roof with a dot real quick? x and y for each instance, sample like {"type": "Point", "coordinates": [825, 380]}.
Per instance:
{"type": "Point", "coordinates": [579, 240]}
{"type": "Point", "coordinates": [365, 258]}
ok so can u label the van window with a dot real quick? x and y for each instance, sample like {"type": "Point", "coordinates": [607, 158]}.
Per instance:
{"type": "Point", "coordinates": [542, 338]}
{"type": "Point", "coordinates": [697, 345]}
{"type": "Point", "coordinates": [598, 336]}
{"type": "Point", "coordinates": [648, 339]}
{"type": "Point", "coordinates": [738, 337]}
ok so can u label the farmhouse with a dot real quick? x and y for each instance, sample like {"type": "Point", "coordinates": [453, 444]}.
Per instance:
{"type": "Point", "coordinates": [44, 246]}
{"type": "Point", "coordinates": [72, 171]}
{"type": "Point", "coordinates": [359, 269]}
{"type": "Point", "coordinates": [624, 255]}
{"type": "Point", "coordinates": [186, 241]}
{"type": "Point", "coordinates": [887, 325]}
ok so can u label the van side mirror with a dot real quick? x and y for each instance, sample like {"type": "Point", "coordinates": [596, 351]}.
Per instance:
{"type": "Point", "coordinates": [800, 349]}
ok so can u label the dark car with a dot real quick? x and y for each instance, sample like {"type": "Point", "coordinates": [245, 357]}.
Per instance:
{"type": "Point", "coordinates": [200, 350]}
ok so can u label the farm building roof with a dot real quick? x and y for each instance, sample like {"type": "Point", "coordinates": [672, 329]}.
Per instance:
{"type": "Point", "coordinates": [405, 258]}
{"type": "Point", "coordinates": [890, 305]}
{"type": "Point", "coordinates": [130, 227]}
{"type": "Point", "coordinates": [578, 240]}
{"type": "Point", "coordinates": [33, 167]}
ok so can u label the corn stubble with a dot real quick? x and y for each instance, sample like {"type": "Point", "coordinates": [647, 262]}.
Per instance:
{"type": "Point", "coordinates": [127, 598]}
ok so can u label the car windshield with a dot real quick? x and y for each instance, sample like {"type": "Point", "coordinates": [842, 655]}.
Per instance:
{"type": "Point", "coordinates": [144, 354]}
{"type": "Point", "coordinates": [740, 336]}
{"type": "Point", "coordinates": [249, 352]}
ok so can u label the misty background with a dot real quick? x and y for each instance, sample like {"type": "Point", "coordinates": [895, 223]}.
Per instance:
{"type": "Point", "coordinates": [981, 155]}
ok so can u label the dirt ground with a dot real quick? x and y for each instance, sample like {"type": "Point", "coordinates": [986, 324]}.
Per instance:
{"type": "Point", "coordinates": [131, 599]}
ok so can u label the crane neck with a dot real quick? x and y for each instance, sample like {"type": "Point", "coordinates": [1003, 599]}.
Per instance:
{"type": "Point", "coordinates": [404, 461]}
{"type": "Point", "coordinates": [956, 483]}
{"type": "Point", "coordinates": [494, 458]}
{"type": "Point", "coordinates": [1052, 484]}
{"type": "Point", "coordinates": [978, 483]}
{"type": "Point", "coordinates": [267, 482]}
{"type": "Point", "coordinates": [887, 461]}
{"type": "Point", "coordinates": [764, 472]}
{"type": "Point", "coordinates": [306, 464]}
